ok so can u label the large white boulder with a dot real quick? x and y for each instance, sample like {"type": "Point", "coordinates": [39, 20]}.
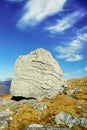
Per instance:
{"type": "Point", "coordinates": [37, 75]}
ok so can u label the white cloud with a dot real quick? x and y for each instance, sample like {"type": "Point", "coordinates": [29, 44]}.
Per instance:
{"type": "Point", "coordinates": [83, 29]}
{"type": "Point", "coordinates": [85, 68]}
{"type": "Point", "coordinates": [15, 0]}
{"type": "Point", "coordinates": [82, 37]}
{"type": "Point", "coordinates": [37, 10]}
{"type": "Point", "coordinates": [65, 23]}
{"type": "Point", "coordinates": [71, 52]}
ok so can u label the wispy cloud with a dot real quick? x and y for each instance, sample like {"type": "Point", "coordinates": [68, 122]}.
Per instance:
{"type": "Point", "coordinates": [37, 10]}
{"type": "Point", "coordinates": [83, 29]}
{"type": "Point", "coordinates": [85, 68]}
{"type": "Point", "coordinates": [70, 52]}
{"type": "Point", "coordinates": [65, 23]}
{"type": "Point", "coordinates": [82, 37]}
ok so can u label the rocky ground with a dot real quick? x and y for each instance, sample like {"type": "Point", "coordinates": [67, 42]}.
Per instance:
{"type": "Point", "coordinates": [67, 111]}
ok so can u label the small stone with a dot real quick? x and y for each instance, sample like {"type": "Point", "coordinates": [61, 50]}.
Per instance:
{"type": "Point", "coordinates": [73, 91]}
{"type": "Point", "coordinates": [3, 125]}
{"type": "Point", "coordinates": [69, 120]}
{"type": "Point", "coordinates": [4, 114]}
{"type": "Point", "coordinates": [42, 127]}
{"type": "Point", "coordinates": [84, 122]}
{"type": "Point", "coordinates": [39, 106]}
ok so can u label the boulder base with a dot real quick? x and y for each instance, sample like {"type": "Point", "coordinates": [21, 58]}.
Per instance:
{"type": "Point", "coordinates": [37, 75]}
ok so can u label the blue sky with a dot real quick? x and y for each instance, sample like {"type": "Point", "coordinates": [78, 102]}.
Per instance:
{"type": "Point", "coordinates": [60, 26]}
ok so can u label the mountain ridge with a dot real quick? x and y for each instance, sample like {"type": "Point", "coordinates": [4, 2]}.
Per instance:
{"type": "Point", "coordinates": [5, 87]}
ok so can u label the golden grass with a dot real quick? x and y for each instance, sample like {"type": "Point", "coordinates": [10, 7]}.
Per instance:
{"type": "Point", "coordinates": [77, 82]}
{"type": "Point", "coordinates": [66, 103]}
{"type": "Point", "coordinates": [7, 97]}
{"type": "Point", "coordinates": [28, 116]}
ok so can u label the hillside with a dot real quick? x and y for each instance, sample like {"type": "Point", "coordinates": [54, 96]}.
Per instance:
{"type": "Point", "coordinates": [28, 112]}
{"type": "Point", "coordinates": [75, 82]}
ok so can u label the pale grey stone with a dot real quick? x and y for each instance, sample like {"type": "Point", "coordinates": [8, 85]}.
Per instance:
{"type": "Point", "coordinates": [37, 75]}
{"type": "Point", "coordinates": [84, 122]}
{"type": "Point", "coordinates": [73, 91]}
{"type": "Point", "coordinates": [4, 102]}
{"type": "Point", "coordinates": [4, 117]}
{"type": "Point", "coordinates": [70, 120]}
{"type": "Point", "coordinates": [5, 114]}
{"type": "Point", "coordinates": [3, 125]}
{"type": "Point", "coordinates": [39, 106]}
{"type": "Point", "coordinates": [36, 125]}
{"type": "Point", "coordinates": [42, 127]}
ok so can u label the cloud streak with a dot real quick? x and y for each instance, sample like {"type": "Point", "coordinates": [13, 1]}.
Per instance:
{"type": "Point", "coordinates": [70, 52]}
{"type": "Point", "coordinates": [37, 10]}
{"type": "Point", "coordinates": [85, 68]}
{"type": "Point", "coordinates": [82, 37]}
{"type": "Point", "coordinates": [65, 23]}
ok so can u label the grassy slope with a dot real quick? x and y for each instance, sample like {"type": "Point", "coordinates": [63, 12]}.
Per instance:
{"type": "Point", "coordinates": [74, 104]}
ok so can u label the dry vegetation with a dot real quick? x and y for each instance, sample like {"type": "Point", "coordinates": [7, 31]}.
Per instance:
{"type": "Point", "coordinates": [81, 102]}
{"type": "Point", "coordinates": [77, 82]}
{"type": "Point", "coordinates": [75, 104]}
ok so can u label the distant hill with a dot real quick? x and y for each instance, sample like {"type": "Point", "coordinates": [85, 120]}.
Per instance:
{"type": "Point", "coordinates": [75, 82]}
{"type": "Point", "coordinates": [5, 87]}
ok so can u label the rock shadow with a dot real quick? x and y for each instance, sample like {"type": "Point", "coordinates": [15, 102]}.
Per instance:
{"type": "Point", "coordinates": [19, 98]}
